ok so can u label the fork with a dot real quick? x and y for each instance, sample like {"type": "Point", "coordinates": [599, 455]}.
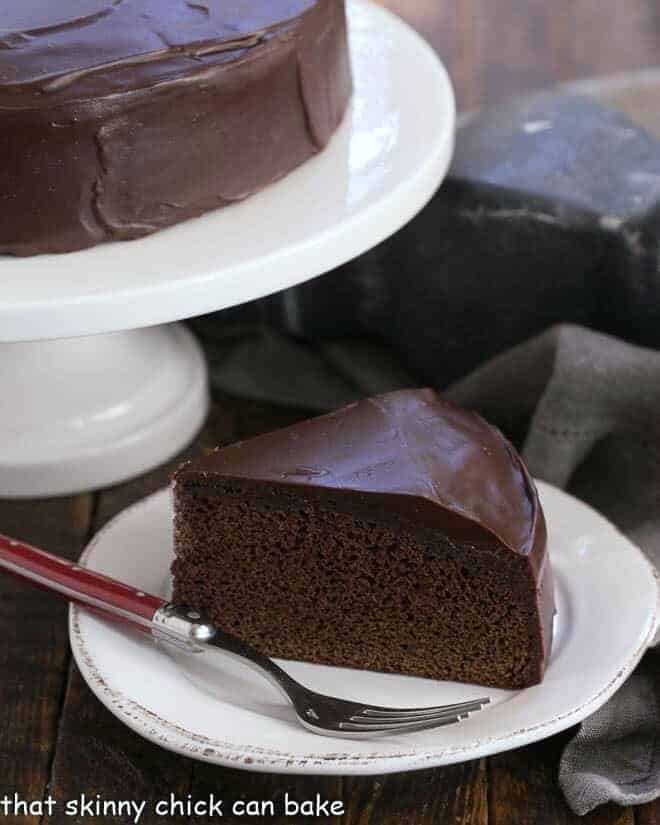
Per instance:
{"type": "Point", "coordinates": [186, 630]}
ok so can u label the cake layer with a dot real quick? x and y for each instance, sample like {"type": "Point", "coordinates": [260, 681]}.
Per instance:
{"type": "Point", "coordinates": [302, 581]}
{"type": "Point", "coordinates": [121, 117]}
{"type": "Point", "coordinates": [400, 534]}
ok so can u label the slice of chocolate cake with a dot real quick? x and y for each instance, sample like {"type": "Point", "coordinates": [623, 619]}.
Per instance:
{"type": "Point", "coordinates": [399, 534]}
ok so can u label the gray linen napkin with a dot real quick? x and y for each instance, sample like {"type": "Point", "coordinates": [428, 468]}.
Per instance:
{"type": "Point", "coordinates": [583, 407]}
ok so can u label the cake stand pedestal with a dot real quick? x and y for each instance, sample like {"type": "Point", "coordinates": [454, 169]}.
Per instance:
{"type": "Point", "coordinates": [80, 413]}
{"type": "Point", "coordinates": [96, 389]}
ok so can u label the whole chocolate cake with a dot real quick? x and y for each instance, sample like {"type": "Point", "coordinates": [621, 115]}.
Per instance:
{"type": "Point", "coordinates": [399, 534]}
{"type": "Point", "coordinates": [121, 117]}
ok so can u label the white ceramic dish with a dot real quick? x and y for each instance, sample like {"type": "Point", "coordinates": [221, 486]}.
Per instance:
{"type": "Point", "coordinates": [607, 597]}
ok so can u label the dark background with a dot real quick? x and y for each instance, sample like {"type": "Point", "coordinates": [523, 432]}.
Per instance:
{"type": "Point", "coordinates": [498, 48]}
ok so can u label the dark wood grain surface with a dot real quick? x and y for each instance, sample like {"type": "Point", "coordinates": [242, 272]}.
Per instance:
{"type": "Point", "coordinates": [56, 738]}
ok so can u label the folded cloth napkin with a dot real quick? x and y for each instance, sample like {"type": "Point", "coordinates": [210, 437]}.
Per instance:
{"type": "Point", "coordinates": [583, 407]}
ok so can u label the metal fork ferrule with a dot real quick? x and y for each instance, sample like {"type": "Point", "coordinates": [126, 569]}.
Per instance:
{"type": "Point", "coordinates": [182, 627]}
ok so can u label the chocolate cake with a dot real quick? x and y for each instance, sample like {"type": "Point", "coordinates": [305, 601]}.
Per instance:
{"type": "Point", "coordinates": [399, 534]}
{"type": "Point", "coordinates": [121, 117]}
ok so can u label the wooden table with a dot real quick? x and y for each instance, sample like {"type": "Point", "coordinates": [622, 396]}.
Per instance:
{"type": "Point", "coordinates": [56, 738]}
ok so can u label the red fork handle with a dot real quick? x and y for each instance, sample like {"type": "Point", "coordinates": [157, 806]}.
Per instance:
{"type": "Point", "coordinates": [84, 587]}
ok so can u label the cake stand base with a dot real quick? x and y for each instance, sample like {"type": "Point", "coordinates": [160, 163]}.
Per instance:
{"type": "Point", "coordinates": [82, 413]}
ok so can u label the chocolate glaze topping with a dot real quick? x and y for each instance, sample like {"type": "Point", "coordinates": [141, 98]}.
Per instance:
{"type": "Point", "coordinates": [120, 117]}
{"type": "Point", "coordinates": [49, 47]}
{"type": "Point", "coordinates": [410, 452]}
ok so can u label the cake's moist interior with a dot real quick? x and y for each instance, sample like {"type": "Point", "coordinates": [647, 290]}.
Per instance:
{"type": "Point", "coordinates": [303, 579]}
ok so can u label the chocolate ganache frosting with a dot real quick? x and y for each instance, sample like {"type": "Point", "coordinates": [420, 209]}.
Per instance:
{"type": "Point", "coordinates": [121, 117]}
{"type": "Point", "coordinates": [422, 502]}
{"type": "Point", "coordinates": [409, 452]}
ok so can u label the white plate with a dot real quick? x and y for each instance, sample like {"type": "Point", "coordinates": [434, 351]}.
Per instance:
{"type": "Point", "coordinates": [607, 598]}
{"type": "Point", "coordinates": [380, 169]}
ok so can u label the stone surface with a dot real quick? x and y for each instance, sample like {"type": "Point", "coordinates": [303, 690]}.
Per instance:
{"type": "Point", "coordinates": [549, 215]}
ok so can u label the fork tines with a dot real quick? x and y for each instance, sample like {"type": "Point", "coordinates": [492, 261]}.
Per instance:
{"type": "Point", "coordinates": [373, 720]}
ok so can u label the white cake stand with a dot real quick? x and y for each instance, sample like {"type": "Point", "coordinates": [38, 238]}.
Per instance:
{"type": "Point", "coordinates": [86, 403]}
